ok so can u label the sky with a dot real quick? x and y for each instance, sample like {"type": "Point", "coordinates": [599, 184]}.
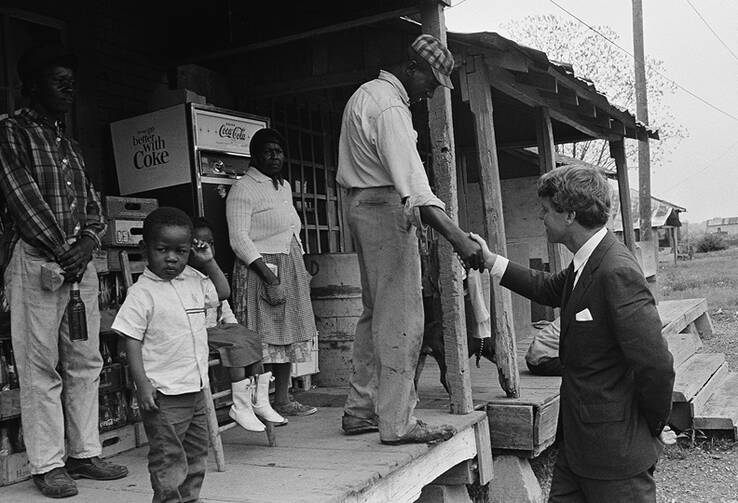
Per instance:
{"type": "Point", "coordinates": [701, 173]}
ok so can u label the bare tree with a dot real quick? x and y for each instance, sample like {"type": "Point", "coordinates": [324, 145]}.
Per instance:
{"type": "Point", "coordinates": [611, 71]}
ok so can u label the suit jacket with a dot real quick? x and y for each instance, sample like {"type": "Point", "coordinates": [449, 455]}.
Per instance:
{"type": "Point", "coordinates": [618, 373]}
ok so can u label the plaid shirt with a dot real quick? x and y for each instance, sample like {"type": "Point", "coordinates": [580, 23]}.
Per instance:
{"type": "Point", "coordinates": [48, 198]}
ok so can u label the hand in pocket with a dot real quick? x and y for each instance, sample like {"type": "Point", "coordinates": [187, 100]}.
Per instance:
{"type": "Point", "coordinates": [274, 294]}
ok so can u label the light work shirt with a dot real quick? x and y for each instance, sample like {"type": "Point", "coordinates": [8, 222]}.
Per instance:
{"type": "Point", "coordinates": [378, 145]}
{"type": "Point", "coordinates": [168, 317]}
{"type": "Point", "coordinates": [261, 219]}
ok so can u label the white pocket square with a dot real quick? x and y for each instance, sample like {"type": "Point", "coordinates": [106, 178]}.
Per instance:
{"type": "Point", "coordinates": [584, 315]}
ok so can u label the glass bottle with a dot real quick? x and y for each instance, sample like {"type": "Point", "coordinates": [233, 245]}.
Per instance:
{"type": "Point", "coordinates": [76, 316]}
{"type": "Point", "coordinates": [12, 371]}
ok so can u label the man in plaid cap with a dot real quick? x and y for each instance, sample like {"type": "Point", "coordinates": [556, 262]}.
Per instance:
{"type": "Point", "coordinates": [51, 214]}
{"type": "Point", "coordinates": [388, 197]}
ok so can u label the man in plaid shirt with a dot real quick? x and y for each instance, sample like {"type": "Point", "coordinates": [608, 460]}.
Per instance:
{"type": "Point", "coordinates": [51, 214]}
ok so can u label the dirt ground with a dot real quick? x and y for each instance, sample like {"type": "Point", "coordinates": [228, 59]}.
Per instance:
{"type": "Point", "coordinates": [700, 468]}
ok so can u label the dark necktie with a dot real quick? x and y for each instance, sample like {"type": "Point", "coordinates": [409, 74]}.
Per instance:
{"type": "Point", "coordinates": [569, 286]}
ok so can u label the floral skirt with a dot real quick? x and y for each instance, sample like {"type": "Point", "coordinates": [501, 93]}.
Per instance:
{"type": "Point", "coordinates": [286, 330]}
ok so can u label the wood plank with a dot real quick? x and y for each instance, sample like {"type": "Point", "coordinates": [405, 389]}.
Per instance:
{"type": "Point", "coordinates": [697, 404]}
{"type": "Point", "coordinates": [484, 452]}
{"type": "Point", "coordinates": [546, 422]}
{"type": "Point", "coordinates": [704, 324]}
{"type": "Point", "coordinates": [480, 101]}
{"type": "Point", "coordinates": [547, 162]}
{"type": "Point", "coordinates": [721, 411]}
{"type": "Point", "coordinates": [511, 426]}
{"type": "Point", "coordinates": [682, 314]}
{"type": "Point", "coordinates": [318, 463]}
{"type": "Point", "coordinates": [682, 346]}
{"type": "Point", "coordinates": [692, 375]}
{"type": "Point", "coordinates": [440, 123]}
{"type": "Point", "coordinates": [617, 152]}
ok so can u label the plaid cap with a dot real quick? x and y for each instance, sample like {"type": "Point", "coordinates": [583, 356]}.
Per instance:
{"type": "Point", "coordinates": [438, 57]}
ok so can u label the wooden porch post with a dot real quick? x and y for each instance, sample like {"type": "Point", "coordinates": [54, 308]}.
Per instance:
{"type": "Point", "coordinates": [476, 89]}
{"type": "Point", "coordinates": [617, 152]}
{"type": "Point", "coordinates": [449, 274]}
{"type": "Point", "coordinates": [674, 243]}
{"type": "Point", "coordinates": [547, 162]}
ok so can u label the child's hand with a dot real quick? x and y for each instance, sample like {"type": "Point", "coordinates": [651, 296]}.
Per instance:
{"type": "Point", "coordinates": [667, 436]}
{"type": "Point", "coordinates": [147, 397]}
{"type": "Point", "coordinates": [200, 253]}
{"type": "Point", "coordinates": [489, 257]}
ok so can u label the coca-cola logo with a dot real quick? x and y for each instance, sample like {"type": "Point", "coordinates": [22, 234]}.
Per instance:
{"type": "Point", "coordinates": [232, 131]}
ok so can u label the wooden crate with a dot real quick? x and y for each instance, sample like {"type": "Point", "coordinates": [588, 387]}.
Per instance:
{"type": "Point", "coordinates": [14, 468]}
{"type": "Point", "coordinates": [100, 259]}
{"type": "Point", "coordinates": [9, 404]}
{"type": "Point", "coordinates": [135, 258]}
{"type": "Point", "coordinates": [123, 233]}
{"type": "Point", "coordinates": [135, 208]}
{"type": "Point", "coordinates": [118, 440]}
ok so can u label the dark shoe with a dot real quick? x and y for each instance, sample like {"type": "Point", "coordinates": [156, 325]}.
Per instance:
{"type": "Point", "coordinates": [353, 425]}
{"type": "Point", "coordinates": [294, 408]}
{"type": "Point", "coordinates": [55, 483]}
{"type": "Point", "coordinates": [95, 469]}
{"type": "Point", "coordinates": [423, 433]}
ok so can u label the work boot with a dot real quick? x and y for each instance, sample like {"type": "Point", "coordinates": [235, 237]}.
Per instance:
{"type": "Point", "coordinates": [94, 468]}
{"type": "Point", "coordinates": [55, 483]}
{"type": "Point", "coordinates": [242, 411]}
{"type": "Point", "coordinates": [423, 433]}
{"type": "Point", "coordinates": [262, 407]}
{"type": "Point", "coordinates": [353, 425]}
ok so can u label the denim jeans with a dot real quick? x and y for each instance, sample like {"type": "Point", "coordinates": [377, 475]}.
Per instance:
{"type": "Point", "coordinates": [178, 446]}
{"type": "Point", "coordinates": [390, 330]}
{"type": "Point", "coordinates": [52, 400]}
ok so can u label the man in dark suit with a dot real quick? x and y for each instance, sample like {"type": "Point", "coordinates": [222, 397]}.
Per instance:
{"type": "Point", "coordinates": [617, 370]}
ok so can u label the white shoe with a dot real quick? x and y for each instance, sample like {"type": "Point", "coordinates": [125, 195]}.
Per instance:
{"type": "Point", "coordinates": [262, 407]}
{"type": "Point", "coordinates": [242, 411]}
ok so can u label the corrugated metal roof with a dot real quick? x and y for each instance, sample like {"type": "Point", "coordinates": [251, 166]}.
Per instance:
{"type": "Point", "coordinates": [661, 210]}
{"type": "Point", "coordinates": [714, 222]}
{"type": "Point", "coordinates": [565, 71]}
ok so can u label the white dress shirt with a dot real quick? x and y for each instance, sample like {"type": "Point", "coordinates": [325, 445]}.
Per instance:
{"type": "Point", "coordinates": [580, 257]}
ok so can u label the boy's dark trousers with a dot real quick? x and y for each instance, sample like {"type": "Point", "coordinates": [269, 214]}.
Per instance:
{"type": "Point", "coordinates": [178, 446]}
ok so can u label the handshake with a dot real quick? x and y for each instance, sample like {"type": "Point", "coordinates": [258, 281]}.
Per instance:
{"type": "Point", "coordinates": [474, 252]}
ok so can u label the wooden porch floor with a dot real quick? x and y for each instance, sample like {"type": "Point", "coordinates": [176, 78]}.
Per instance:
{"type": "Point", "coordinates": [527, 425]}
{"type": "Point", "coordinates": [312, 463]}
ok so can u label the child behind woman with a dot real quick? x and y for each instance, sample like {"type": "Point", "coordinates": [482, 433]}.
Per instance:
{"type": "Point", "coordinates": [240, 352]}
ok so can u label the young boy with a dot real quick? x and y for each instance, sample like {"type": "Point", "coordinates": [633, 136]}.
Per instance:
{"type": "Point", "coordinates": [163, 322]}
{"type": "Point", "coordinates": [241, 352]}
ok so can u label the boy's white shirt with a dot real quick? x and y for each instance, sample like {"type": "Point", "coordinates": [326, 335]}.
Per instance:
{"type": "Point", "coordinates": [168, 316]}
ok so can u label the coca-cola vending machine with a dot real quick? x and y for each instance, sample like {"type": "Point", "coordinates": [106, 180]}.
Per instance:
{"type": "Point", "coordinates": [186, 156]}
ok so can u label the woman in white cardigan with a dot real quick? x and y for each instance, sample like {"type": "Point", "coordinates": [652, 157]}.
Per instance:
{"type": "Point", "coordinates": [271, 287]}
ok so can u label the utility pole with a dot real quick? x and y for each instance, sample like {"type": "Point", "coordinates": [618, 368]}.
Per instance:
{"type": "Point", "coordinates": [644, 151]}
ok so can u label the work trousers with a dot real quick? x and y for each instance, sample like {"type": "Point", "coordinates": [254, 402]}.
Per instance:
{"type": "Point", "coordinates": [58, 377]}
{"type": "Point", "coordinates": [568, 487]}
{"type": "Point", "coordinates": [178, 446]}
{"type": "Point", "coordinates": [390, 331]}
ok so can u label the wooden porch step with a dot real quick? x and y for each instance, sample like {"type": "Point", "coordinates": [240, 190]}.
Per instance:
{"type": "Point", "coordinates": [720, 411]}
{"type": "Point", "coordinates": [683, 345]}
{"type": "Point", "coordinates": [694, 373]}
